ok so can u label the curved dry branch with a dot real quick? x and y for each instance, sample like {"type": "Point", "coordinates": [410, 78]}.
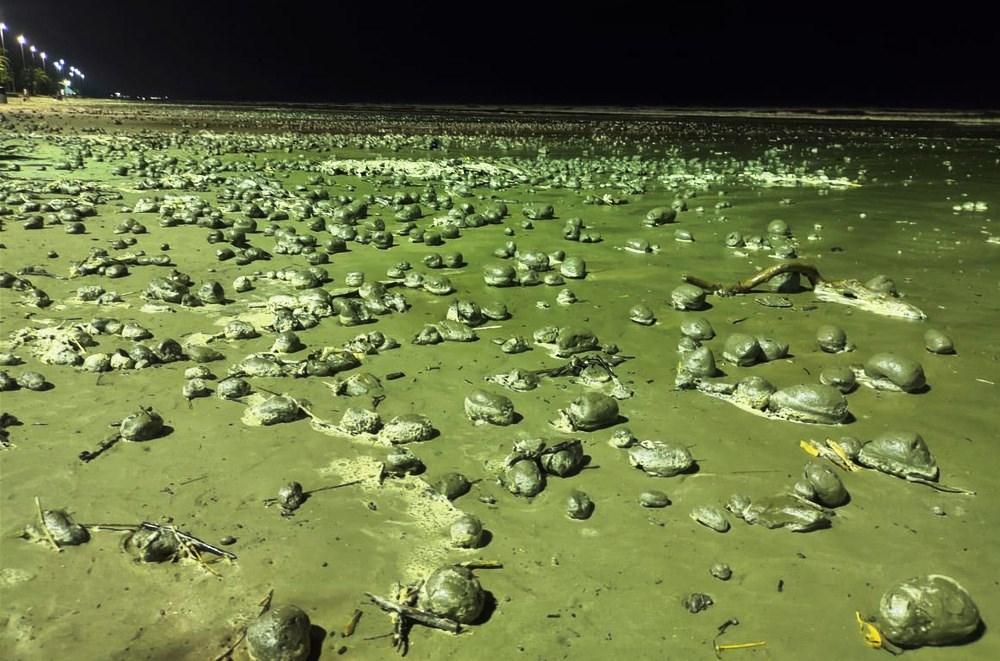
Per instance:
{"type": "Point", "coordinates": [747, 285]}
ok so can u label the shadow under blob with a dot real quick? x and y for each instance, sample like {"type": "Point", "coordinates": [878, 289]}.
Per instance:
{"type": "Point", "coordinates": [489, 607]}
{"type": "Point", "coordinates": [317, 636]}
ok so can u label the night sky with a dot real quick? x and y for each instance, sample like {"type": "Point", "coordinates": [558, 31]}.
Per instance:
{"type": "Point", "coordinates": [711, 53]}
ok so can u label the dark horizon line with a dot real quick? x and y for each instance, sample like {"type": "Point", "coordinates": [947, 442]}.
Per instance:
{"type": "Point", "coordinates": [582, 106]}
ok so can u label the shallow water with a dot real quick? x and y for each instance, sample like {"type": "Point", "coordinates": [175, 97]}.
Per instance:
{"type": "Point", "coordinates": [611, 585]}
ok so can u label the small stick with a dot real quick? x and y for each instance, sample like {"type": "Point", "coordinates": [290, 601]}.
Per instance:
{"type": "Point", "coordinates": [87, 456]}
{"type": "Point", "coordinates": [332, 486]}
{"type": "Point", "coordinates": [113, 527]}
{"type": "Point", "coordinates": [378, 637]}
{"type": "Point", "coordinates": [352, 624]}
{"type": "Point", "coordinates": [481, 564]}
{"type": "Point", "coordinates": [312, 415]}
{"type": "Point", "coordinates": [940, 487]}
{"type": "Point", "coordinates": [192, 552]}
{"type": "Point", "coordinates": [191, 539]}
{"type": "Point", "coordinates": [272, 501]}
{"type": "Point", "coordinates": [45, 527]}
{"type": "Point", "coordinates": [265, 605]}
{"type": "Point", "coordinates": [415, 614]}
{"type": "Point", "coordinates": [739, 646]}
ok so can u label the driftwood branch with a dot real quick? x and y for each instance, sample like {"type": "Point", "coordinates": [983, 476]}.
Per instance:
{"type": "Point", "coordinates": [747, 285]}
{"type": "Point", "coordinates": [415, 614]}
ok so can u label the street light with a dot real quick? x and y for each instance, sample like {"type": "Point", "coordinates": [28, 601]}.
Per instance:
{"type": "Point", "coordinates": [21, 41]}
{"type": "Point", "coordinates": [3, 47]}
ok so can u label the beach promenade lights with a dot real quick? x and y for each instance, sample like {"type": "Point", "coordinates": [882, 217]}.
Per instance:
{"type": "Point", "coordinates": [24, 67]}
{"type": "Point", "coordinates": [3, 28]}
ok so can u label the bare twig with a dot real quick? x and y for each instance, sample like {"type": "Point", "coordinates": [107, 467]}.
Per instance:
{"type": "Point", "coordinates": [45, 527]}
{"type": "Point", "coordinates": [352, 624]}
{"type": "Point", "coordinates": [265, 605]}
{"type": "Point", "coordinates": [415, 614]}
{"type": "Point", "coordinates": [747, 285]}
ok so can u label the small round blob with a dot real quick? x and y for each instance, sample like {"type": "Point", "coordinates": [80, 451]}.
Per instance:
{"type": "Point", "coordinates": [937, 342]}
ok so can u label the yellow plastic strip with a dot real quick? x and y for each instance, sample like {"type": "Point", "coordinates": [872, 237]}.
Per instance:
{"type": "Point", "coordinates": [740, 646]}
{"type": "Point", "coordinates": [872, 637]}
{"type": "Point", "coordinates": [842, 453]}
{"type": "Point", "coordinates": [809, 447]}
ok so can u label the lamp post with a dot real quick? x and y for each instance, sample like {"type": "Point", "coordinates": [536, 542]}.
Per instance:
{"type": "Point", "coordinates": [21, 41]}
{"type": "Point", "coordinates": [3, 48]}
{"type": "Point", "coordinates": [31, 76]}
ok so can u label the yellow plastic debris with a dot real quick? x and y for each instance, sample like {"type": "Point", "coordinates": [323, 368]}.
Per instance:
{"type": "Point", "coordinates": [871, 635]}
{"type": "Point", "coordinates": [740, 646]}
{"type": "Point", "coordinates": [842, 453]}
{"type": "Point", "coordinates": [809, 447]}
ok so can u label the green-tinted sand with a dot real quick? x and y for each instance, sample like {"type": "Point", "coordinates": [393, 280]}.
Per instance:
{"type": "Point", "coordinates": [607, 587]}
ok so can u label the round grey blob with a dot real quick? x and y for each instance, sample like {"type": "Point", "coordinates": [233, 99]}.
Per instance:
{"type": "Point", "coordinates": [62, 528]}
{"type": "Point", "coordinates": [401, 461]}
{"type": "Point", "coordinates": [900, 453]}
{"type": "Point", "coordinates": [144, 425]}
{"type": "Point", "coordinates": [483, 406]}
{"type": "Point", "coordinates": [813, 403]}
{"type": "Point", "coordinates": [660, 459]}
{"type": "Point", "coordinates": [592, 411]}
{"type": "Point", "coordinates": [771, 348]}
{"type": "Point", "coordinates": [32, 381]}
{"type": "Point", "coordinates": [573, 267]}
{"type": "Point", "coordinates": [452, 485]}
{"type": "Point", "coordinates": [579, 505]}
{"type": "Point", "coordinates": [903, 373]}
{"type": "Point", "coordinates": [233, 388]}
{"type": "Point", "coordinates": [831, 339]}
{"type": "Point", "coordinates": [524, 478]}
{"type": "Point", "coordinates": [700, 362]}
{"type": "Point", "coordinates": [827, 488]}
{"type": "Point", "coordinates": [466, 532]}
{"type": "Point", "coordinates": [688, 297]}
{"type": "Point", "coordinates": [453, 592]}
{"type": "Point", "coordinates": [642, 314]}
{"type": "Point", "coordinates": [756, 391]}
{"type": "Point", "coordinates": [564, 462]}
{"type": "Point", "coordinates": [840, 377]}
{"type": "Point", "coordinates": [697, 328]}
{"type": "Point", "coordinates": [882, 284]}
{"type": "Point", "coordinates": [927, 610]}
{"type": "Point", "coordinates": [280, 634]}
{"type": "Point", "coordinates": [778, 227]}
{"type": "Point", "coordinates": [711, 517]}
{"type": "Point", "coordinates": [653, 499]}
{"type": "Point", "coordinates": [743, 350]}
{"type": "Point", "coordinates": [274, 410]}
{"type": "Point", "coordinates": [407, 428]}
{"type": "Point", "coordinates": [937, 342]}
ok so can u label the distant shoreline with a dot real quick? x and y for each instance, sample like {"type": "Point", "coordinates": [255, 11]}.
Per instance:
{"type": "Point", "coordinates": [963, 117]}
{"type": "Point", "coordinates": [969, 117]}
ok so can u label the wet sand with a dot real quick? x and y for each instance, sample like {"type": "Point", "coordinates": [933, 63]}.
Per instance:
{"type": "Point", "coordinates": [608, 586]}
